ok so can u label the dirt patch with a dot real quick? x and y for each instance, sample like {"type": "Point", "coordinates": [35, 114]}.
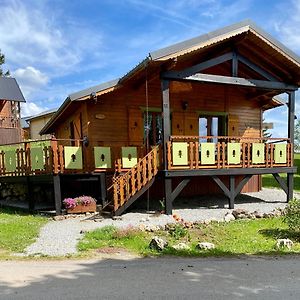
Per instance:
{"type": "Point", "coordinates": [112, 250]}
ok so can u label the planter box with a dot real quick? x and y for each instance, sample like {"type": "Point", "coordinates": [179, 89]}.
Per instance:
{"type": "Point", "coordinates": [82, 209]}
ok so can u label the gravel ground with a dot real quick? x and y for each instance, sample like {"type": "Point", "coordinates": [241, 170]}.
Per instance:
{"type": "Point", "coordinates": [60, 238]}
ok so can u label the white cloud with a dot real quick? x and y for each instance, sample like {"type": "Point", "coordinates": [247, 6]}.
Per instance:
{"type": "Point", "coordinates": [31, 34]}
{"type": "Point", "coordinates": [30, 109]}
{"type": "Point", "coordinates": [30, 80]}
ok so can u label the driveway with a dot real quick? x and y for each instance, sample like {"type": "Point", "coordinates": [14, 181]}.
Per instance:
{"type": "Point", "coordinates": [153, 278]}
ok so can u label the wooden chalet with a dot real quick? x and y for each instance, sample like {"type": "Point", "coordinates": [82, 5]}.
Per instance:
{"type": "Point", "coordinates": [187, 120]}
{"type": "Point", "coordinates": [10, 99]}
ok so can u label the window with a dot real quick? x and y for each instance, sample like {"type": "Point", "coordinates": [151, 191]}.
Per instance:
{"type": "Point", "coordinates": [152, 128]}
{"type": "Point", "coordinates": [212, 125]}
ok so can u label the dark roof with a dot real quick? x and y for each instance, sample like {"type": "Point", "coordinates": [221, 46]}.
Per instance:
{"type": "Point", "coordinates": [96, 88]}
{"type": "Point", "coordinates": [42, 114]}
{"type": "Point", "coordinates": [246, 24]}
{"type": "Point", "coordinates": [10, 90]}
{"type": "Point", "coordinates": [209, 38]}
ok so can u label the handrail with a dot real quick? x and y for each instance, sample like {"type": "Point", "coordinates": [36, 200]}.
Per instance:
{"type": "Point", "coordinates": [128, 184]}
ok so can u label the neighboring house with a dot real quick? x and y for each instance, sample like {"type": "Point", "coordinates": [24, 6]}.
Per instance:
{"type": "Point", "coordinates": [187, 120]}
{"type": "Point", "coordinates": [37, 122]}
{"type": "Point", "coordinates": [10, 99]}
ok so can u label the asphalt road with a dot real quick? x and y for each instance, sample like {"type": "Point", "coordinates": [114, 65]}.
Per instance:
{"type": "Point", "coordinates": [157, 278]}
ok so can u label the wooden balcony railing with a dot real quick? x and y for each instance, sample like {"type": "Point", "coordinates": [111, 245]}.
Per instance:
{"type": "Point", "coordinates": [216, 152]}
{"type": "Point", "coordinates": [130, 183]}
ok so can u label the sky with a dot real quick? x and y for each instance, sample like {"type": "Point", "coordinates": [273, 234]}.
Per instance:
{"type": "Point", "coordinates": [54, 48]}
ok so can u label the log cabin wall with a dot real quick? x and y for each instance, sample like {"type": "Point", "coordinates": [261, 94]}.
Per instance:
{"type": "Point", "coordinates": [116, 118]}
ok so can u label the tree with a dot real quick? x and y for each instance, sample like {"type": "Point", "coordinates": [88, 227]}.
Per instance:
{"type": "Point", "coordinates": [2, 61]}
{"type": "Point", "coordinates": [297, 136]}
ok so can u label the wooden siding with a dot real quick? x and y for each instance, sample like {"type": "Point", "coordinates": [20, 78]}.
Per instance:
{"type": "Point", "coordinates": [116, 119]}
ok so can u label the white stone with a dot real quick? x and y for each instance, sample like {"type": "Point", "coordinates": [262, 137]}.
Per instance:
{"type": "Point", "coordinates": [181, 246]}
{"type": "Point", "coordinates": [229, 217]}
{"type": "Point", "coordinates": [158, 243]}
{"type": "Point", "coordinates": [205, 246]}
{"type": "Point", "coordinates": [284, 243]}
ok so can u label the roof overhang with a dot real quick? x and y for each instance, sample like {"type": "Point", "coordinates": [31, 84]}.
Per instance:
{"type": "Point", "coordinates": [10, 90]}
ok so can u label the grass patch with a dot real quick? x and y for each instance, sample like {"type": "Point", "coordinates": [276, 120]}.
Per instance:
{"type": "Point", "coordinates": [268, 180]}
{"type": "Point", "coordinates": [18, 230]}
{"type": "Point", "coordinates": [234, 238]}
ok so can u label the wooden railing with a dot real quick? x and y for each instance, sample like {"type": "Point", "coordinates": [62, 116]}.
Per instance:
{"type": "Point", "coordinates": [220, 152]}
{"type": "Point", "coordinates": [128, 184]}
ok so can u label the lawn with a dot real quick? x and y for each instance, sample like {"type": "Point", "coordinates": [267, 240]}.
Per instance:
{"type": "Point", "coordinates": [18, 230]}
{"type": "Point", "coordinates": [269, 181]}
{"type": "Point", "coordinates": [234, 238]}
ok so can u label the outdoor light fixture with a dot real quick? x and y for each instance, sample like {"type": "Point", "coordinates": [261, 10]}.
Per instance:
{"type": "Point", "coordinates": [185, 105]}
{"type": "Point", "coordinates": [93, 96]}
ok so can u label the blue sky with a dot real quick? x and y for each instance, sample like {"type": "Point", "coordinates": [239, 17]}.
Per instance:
{"type": "Point", "coordinates": [55, 48]}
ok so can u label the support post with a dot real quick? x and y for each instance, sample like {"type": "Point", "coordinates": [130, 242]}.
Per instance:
{"type": "Point", "coordinates": [31, 202]}
{"type": "Point", "coordinates": [291, 127]}
{"type": "Point", "coordinates": [165, 85]}
{"type": "Point", "coordinates": [168, 196]}
{"type": "Point", "coordinates": [103, 188]}
{"type": "Point", "coordinates": [290, 184]}
{"type": "Point", "coordinates": [234, 64]}
{"type": "Point", "coordinates": [232, 191]}
{"type": "Point", "coordinates": [57, 194]}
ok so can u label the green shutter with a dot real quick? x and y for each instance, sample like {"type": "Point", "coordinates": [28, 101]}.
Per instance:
{"type": "Point", "coordinates": [280, 153]}
{"type": "Point", "coordinates": [180, 154]}
{"type": "Point", "coordinates": [207, 156]}
{"type": "Point", "coordinates": [37, 158]}
{"type": "Point", "coordinates": [10, 159]}
{"type": "Point", "coordinates": [73, 157]}
{"type": "Point", "coordinates": [129, 157]}
{"type": "Point", "coordinates": [258, 153]}
{"type": "Point", "coordinates": [233, 153]}
{"type": "Point", "coordinates": [102, 157]}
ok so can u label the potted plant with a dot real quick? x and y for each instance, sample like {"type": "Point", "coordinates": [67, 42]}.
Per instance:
{"type": "Point", "coordinates": [80, 204]}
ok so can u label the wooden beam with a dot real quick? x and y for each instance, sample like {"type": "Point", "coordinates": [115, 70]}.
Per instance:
{"type": "Point", "coordinates": [256, 68]}
{"type": "Point", "coordinates": [168, 196]}
{"type": "Point", "coordinates": [235, 63]}
{"type": "Point", "coordinates": [233, 171]}
{"type": "Point", "coordinates": [232, 191]}
{"type": "Point", "coordinates": [290, 187]}
{"type": "Point", "coordinates": [205, 65]}
{"type": "Point", "coordinates": [165, 84]}
{"type": "Point", "coordinates": [57, 194]}
{"type": "Point", "coordinates": [236, 81]}
{"type": "Point", "coordinates": [291, 117]}
{"type": "Point", "coordinates": [281, 182]}
{"type": "Point", "coordinates": [179, 188]}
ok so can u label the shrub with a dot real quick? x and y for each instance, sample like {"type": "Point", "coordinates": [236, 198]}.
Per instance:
{"type": "Point", "coordinates": [83, 200]}
{"type": "Point", "coordinates": [292, 215]}
{"type": "Point", "coordinates": [177, 231]}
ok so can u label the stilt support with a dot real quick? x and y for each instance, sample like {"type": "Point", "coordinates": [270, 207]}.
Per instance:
{"type": "Point", "coordinates": [232, 191]}
{"type": "Point", "coordinates": [171, 195]}
{"type": "Point", "coordinates": [57, 194]}
{"type": "Point", "coordinates": [286, 186]}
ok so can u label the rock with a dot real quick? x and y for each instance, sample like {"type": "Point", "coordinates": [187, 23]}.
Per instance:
{"type": "Point", "coordinates": [181, 246]}
{"type": "Point", "coordinates": [143, 220]}
{"type": "Point", "coordinates": [257, 215]}
{"type": "Point", "coordinates": [158, 243]}
{"type": "Point", "coordinates": [229, 217]}
{"type": "Point", "coordinates": [239, 211]}
{"type": "Point", "coordinates": [98, 220]}
{"type": "Point", "coordinates": [117, 218]}
{"type": "Point", "coordinates": [205, 246]}
{"type": "Point", "coordinates": [152, 228]}
{"type": "Point", "coordinates": [58, 218]}
{"type": "Point", "coordinates": [284, 243]}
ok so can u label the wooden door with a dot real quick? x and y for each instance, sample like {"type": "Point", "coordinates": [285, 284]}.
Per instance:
{"type": "Point", "coordinates": [135, 126]}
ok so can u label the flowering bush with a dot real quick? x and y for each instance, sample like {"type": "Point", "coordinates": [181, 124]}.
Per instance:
{"type": "Point", "coordinates": [82, 200]}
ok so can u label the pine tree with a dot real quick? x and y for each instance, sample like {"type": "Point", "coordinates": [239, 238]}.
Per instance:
{"type": "Point", "coordinates": [2, 61]}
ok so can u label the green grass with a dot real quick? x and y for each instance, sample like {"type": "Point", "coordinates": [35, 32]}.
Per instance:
{"type": "Point", "coordinates": [270, 182]}
{"type": "Point", "coordinates": [18, 230]}
{"type": "Point", "coordinates": [234, 238]}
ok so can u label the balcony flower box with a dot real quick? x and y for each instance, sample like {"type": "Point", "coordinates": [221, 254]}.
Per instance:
{"type": "Point", "coordinates": [80, 204]}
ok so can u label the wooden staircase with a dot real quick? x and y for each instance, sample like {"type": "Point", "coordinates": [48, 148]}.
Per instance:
{"type": "Point", "coordinates": [129, 186]}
